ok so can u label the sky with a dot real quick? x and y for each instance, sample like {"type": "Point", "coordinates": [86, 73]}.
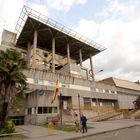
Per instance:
{"type": "Point", "coordinates": [115, 24]}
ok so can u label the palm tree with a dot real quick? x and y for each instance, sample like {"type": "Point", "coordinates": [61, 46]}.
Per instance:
{"type": "Point", "coordinates": [12, 79]}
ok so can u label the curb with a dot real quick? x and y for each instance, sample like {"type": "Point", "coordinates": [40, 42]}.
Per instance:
{"type": "Point", "coordinates": [105, 131]}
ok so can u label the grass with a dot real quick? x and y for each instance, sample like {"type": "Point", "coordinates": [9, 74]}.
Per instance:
{"type": "Point", "coordinates": [65, 127]}
{"type": "Point", "coordinates": [14, 137]}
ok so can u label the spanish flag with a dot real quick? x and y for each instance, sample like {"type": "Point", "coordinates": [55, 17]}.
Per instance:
{"type": "Point", "coordinates": [55, 92]}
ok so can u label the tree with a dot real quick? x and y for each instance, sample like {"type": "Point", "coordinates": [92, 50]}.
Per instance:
{"type": "Point", "coordinates": [12, 80]}
{"type": "Point", "coordinates": [137, 103]}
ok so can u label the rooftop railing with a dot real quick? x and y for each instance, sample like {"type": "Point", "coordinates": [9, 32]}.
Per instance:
{"type": "Point", "coordinates": [28, 12]}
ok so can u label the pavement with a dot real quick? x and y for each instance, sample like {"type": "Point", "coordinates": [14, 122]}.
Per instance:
{"type": "Point", "coordinates": [34, 132]}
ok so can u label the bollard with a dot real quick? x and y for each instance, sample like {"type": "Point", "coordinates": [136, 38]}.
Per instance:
{"type": "Point", "coordinates": [50, 128]}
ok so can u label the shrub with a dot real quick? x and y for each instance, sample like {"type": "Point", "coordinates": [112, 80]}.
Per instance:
{"type": "Point", "coordinates": [54, 121]}
{"type": "Point", "coordinates": [9, 127]}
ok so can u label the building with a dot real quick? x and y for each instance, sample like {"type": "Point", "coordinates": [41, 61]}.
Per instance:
{"type": "Point", "coordinates": [55, 53]}
{"type": "Point", "coordinates": [127, 91]}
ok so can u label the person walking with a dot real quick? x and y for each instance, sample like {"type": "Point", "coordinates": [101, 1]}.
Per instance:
{"type": "Point", "coordinates": [77, 123]}
{"type": "Point", "coordinates": [84, 123]}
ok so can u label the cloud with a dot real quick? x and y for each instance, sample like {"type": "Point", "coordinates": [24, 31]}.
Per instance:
{"type": "Point", "coordinates": [115, 8]}
{"type": "Point", "coordinates": [10, 10]}
{"type": "Point", "coordinates": [64, 5]}
{"type": "Point", "coordinates": [40, 8]}
{"type": "Point", "coordinates": [121, 37]}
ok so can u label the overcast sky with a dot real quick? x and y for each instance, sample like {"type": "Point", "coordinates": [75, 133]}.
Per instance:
{"type": "Point", "coordinates": [115, 24]}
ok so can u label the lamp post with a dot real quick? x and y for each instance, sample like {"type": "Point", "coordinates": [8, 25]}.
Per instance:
{"type": "Point", "coordinates": [79, 108]}
{"type": "Point", "coordinates": [97, 101]}
{"type": "Point", "coordinates": [92, 76]}
{"type": "Point", "coordinates": [99, 71]}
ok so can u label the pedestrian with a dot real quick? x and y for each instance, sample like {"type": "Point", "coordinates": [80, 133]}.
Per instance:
{"type": "Point", "coordinates": [77, 123]}
{"type": "Point", "coordinates": [84, 123]}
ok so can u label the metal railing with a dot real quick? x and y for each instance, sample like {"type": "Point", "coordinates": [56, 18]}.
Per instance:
{"type": "Point", "coordinates": [28, 12]}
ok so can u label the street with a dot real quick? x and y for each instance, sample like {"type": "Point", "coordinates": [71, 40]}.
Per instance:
{"type": "Point", "coordinates": [132, 133]}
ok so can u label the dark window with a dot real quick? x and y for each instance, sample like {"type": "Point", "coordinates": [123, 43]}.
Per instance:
{"type": "Point", "coordinates": [50, 109]}
{"type": "Point", "coordinates": [40, 110]}
{"type": "Point", "coordinates": [45, 109]}
{"type": "Point", "coordinates": [29, 110]}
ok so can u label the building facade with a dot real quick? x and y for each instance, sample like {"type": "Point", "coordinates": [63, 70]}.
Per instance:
{"type": "Point", "coordinates": [56, 53]}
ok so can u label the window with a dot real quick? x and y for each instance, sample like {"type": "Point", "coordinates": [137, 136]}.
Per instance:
{"type": "Point", "coordinates": [35, 81]}
{"type": "Point", "coordinates": [87, 103]}
{"type": "Point", "coordinates": [29, 110]}
{"type": "Point", "coordinates": [54, 109]}
{"type": "Point", "coordinates": [110, 91]}
{"type": "Point", "coordinates": [94, 103]}
{"type": "Point", "coordinates": [45, 109]}
{"type": "Point", "coordinates": [97, 90]}
{"type": "Point", "coordinates": [50, 110]}
{"type": "Point", "coordinates": [63, 85]}
{"type": "Point", "coordinates": [103, 91]}
{"type": "Point", "coordinates": [113, 104]}
{"type": "Point", "coordinates": [107, 91]}
{"type": "Point", "coordinates": [101, 104]}
{"type": "Point", "coordinates": [40, 82]}
{"type": "Point", "coordinates": [40, 110]}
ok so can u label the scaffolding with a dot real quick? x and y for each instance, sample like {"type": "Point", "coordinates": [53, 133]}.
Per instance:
{"type": "Point", "coordinates": [28, 12]}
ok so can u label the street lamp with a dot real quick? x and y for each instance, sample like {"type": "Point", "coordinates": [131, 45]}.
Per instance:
{"type": "Point", "coordinates": [97, 101]}
{"type": "Point", "coordinates": [92, 76]}
{"type": "Point", "coordinates": [79, 107]}
{"type": "Point", "coordinates": [99, 71]}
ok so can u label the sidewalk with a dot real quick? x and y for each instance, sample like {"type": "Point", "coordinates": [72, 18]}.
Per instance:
{"type": "Point", "coordinates": [40, 133]}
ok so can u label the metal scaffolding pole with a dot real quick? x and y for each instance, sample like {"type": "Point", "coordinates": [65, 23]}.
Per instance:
{"type": "Point", "coordinates": [68, 53]}
{"type": "Point", "coordinates": [80, 55]}
{"type": "Point", "coordinates": [53, 55]}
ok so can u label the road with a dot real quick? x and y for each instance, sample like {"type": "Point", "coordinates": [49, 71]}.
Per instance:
{"type": "Point", "coordinates": [132, 133]}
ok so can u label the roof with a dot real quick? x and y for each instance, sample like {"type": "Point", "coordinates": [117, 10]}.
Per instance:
{"type": "Point", "coordinates": [30, 20]}
{"type": "Point", "coordinates": [122, 83]}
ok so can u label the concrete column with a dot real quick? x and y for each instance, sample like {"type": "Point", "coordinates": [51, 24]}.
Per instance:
{"type": "Point", "coordinates": [35, 40]}
{"type": "Point", "coordinates": [68, 53]}
{"type": "Point", "coordinates": [32, 110]}
{"type": "Point", "coordinates": [53, 55]}
{"type": "Point", "coordinates": [80, 55]}
{"type": "Point", "coordinates": [91, 66]}
{"type": "Point", "coordinates": [26, 111]}
{"type": "Point", "coordinates": [28, 52]}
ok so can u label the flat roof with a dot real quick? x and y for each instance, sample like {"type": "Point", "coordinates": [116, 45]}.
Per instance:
{"type": "Point", "coordinates": [31, 20]}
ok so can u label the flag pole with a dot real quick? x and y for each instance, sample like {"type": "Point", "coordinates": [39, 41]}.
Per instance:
{"type": "Point", "coordinates": [61, 109]}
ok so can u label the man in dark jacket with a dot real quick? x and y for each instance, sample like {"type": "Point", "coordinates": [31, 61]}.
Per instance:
{"type": "Point", "coordinates": [84, 123]}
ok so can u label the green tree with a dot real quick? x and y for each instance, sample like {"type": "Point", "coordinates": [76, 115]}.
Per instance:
{"type": "Point", "coordinates": [137, 103]}
{"type": "Point", "coordinates": [12, 80]}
